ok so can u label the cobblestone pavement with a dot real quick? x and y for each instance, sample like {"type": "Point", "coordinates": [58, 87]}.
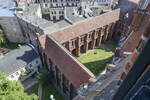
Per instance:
{"type": "Point", "coordinates": [108, 92]}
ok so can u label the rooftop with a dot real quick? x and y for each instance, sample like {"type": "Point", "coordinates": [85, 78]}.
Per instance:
{"type": "Point", "coordinates": [7, 8]}
{"type": "Point", "coordinates": [17, 59]}
{"type": "Point", "coordinates": [72, 15]}
{"type": "Point", "coordinates": [85, 26]}
{"type": "Point", "coordinates": [72, 69]}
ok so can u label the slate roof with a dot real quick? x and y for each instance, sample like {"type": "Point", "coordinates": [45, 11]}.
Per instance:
{"type": "Point", "coordinates": [72, 69]}
{"type": "Point", "coordinates": [17, 59]}
{"type": "Point", "coordinates": [6, 8]}
{"type": "Point", "coordinates": [70, 14]}
{"type": "Point", "coordinates": [86, 26]}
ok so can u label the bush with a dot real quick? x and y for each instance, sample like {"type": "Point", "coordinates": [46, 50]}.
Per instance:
{"type": "Point", "coordinates": [13, 90]}
{"type": "Point", "coordinates": [2, 37]}
{"type": "Point", "coordinates": [23, 74]}
{"type": "Point", "coordinates": [43, 76]}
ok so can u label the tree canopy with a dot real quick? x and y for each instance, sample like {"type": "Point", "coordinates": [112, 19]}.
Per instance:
{"type": "Point", "coordinates": [43, 76]}
{"type": "Point", "coordinates": [13, 90]}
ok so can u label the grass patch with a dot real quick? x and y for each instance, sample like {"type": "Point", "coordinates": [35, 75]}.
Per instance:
{"type": "Point", "coordinates": [112, 46]}
{"type": "Point", "coordinates": [33, 89]}
{"type": "Point", "coordinates": [97, 59]}
{"type": "Point", "coordinates": [11, 45]}
{"type": "Point", "coordinates": [48, 90]}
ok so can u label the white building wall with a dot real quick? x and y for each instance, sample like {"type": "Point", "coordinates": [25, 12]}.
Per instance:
{"type": "Point", "coordinates": [39, 12]}
{"type": "Point", "coordinates": [32, 65]}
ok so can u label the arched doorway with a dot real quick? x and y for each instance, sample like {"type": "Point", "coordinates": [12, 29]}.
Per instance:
{"type": "Point", "coordinates": [74, 52]}
{"type": "Point", "coordinates": [90, 44]}
{"type": "Point", "coordinates": [82, 49]}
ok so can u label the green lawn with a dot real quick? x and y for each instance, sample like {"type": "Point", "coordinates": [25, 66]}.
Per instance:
{"type": "Point", "coordinates": [33, 89]}
{"type": "Point", "coordinates": [48, 90]}
{"type": "Point", "coordinates": [97, 59]}
{"type": "Point", "coordinates": [11, 45]}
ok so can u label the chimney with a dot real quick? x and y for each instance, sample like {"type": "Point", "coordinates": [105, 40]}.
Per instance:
{"type": "Point", "coordinates": [16, 3]}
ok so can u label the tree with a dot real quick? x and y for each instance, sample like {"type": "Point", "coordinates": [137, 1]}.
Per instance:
{"type": "Point", "coordinates": [43, 76]}
{"type": "Point", "coordinates": [13, 90]}
{"type": "Point", "coordinates": [2, 37]}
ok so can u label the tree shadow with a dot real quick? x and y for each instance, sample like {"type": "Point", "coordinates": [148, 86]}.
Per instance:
{"type": "Point", "coordinates": [98, 66]}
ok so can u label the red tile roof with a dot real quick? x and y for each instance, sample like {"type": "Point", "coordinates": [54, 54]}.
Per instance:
{"type": "Point", "coordinates": [73, 70]}
{"type": "Point", "coordinates": [132, 42]}
{"type": "Point", "coordinates": [86, 26]}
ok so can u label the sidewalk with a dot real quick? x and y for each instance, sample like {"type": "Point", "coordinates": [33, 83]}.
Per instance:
{"type": "Point", "coordinates": [40, 92]}
{"type": "Point", "coordinates": [29, 82]}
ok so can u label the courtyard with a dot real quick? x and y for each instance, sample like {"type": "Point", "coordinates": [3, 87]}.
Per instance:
{"type": "Point", "coordinates": [97, 59]}
{"type": "Point", "coordinates": [47, 90]}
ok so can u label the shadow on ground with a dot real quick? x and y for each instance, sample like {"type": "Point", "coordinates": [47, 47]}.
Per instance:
{"type": "Point", "coordinates": [98, 66]}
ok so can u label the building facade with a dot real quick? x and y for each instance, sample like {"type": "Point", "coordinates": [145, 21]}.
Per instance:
{"type": "Point", "coordinates": [13, 33]}
{"type": "Point", "coordinates": [136, 84]}
{"type": "Point", "coordinates": [139, 35]}
{"type": "Point", "coordinates": [9, 22]}
{"type": "Point", "coordinates": [68, 74]}
{"type": "Point", "coordinates": [77, 40]}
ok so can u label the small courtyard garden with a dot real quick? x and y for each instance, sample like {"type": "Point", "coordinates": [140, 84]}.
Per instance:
{"type": "Point", "coordinates": [47, 88]}
{"type": "Point", "coordinates": [97, 59]}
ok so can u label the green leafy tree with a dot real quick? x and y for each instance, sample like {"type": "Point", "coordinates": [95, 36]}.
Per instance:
{"type": "Point", "coordinates": [43, 76]}
{"type": "Point", "coordinates": [2, 37]}
{"type": "Point", "coordinates": [13, 90]}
